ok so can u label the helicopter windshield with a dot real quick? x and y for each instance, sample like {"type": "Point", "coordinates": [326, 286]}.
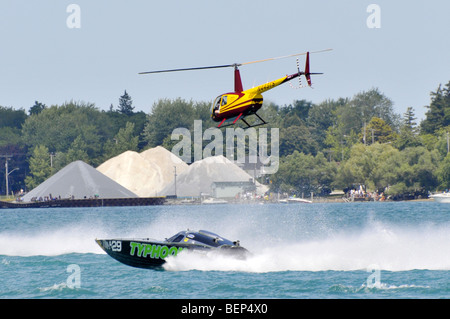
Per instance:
{"type": "Point", "coordinates": [216, 105]}
{"type": "Point", "coordinates": [224, 100]}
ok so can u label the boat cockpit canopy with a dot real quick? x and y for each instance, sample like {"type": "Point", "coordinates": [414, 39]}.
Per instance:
{"type": "Point", "coordinates": [200, 237]}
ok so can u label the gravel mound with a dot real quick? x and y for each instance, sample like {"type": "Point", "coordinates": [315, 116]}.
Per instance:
{"type": "Point", "coordinates": [200, 175]}
{"type": "Point", "coordinates": [78, 180]}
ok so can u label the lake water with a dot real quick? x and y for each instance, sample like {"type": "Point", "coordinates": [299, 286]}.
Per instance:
{"type": "Point", "coordinates": [324, 250]}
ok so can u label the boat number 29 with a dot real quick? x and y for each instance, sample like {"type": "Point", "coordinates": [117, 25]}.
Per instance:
{"type": "Point", "coordinates": [115, 245]}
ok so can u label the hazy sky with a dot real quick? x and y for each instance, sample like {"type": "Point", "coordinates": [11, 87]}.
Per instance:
{"type": "Point", "coordinates": [42, 58]}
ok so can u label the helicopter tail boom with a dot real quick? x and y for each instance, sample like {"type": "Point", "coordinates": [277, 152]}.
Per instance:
{"type": "Point", "coordinates": [270, 85]}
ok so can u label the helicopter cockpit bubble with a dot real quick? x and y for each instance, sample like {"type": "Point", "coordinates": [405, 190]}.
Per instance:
{"type": "Point", "coordinates": [215, 107]}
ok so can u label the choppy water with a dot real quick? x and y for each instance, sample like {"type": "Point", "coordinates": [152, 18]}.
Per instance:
{"type": "Point", "coordinates": [354, 250]}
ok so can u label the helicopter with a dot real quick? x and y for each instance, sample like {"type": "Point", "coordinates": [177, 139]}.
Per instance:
{"type": "Point", "coordinates": [239, 104]}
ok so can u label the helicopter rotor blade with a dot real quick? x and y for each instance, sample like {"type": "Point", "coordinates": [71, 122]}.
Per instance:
{"type": "Point", "coordinates": [189, 69]}
{"type": "Point", "coordinates": [283, 57]}
{"type": "Point", "coordinates": [235, 65]}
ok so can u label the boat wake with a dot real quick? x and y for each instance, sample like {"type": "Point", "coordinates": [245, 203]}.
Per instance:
{"type": "Point", "coordinates": [65, 240]}
{"type": "Point", "coordinates": [308, 242]}
{"type": "Point", "coordinates": [387, 249]}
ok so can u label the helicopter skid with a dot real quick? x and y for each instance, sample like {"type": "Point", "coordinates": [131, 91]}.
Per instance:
{"type": "Point", "coordinates": [242, 118]}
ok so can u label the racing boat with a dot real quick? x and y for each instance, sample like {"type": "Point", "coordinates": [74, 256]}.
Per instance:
{"type": "Point", "coordinates": [148, 253]}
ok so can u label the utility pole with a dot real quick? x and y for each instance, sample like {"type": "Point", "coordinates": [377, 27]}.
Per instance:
{"type": "Point", "coordinates": [6, 170]}
{"type": "Point", "coordinates": [364, 138]}
{"type": "Point", "coordinates": [175, 180]}
{"type": "Point", "coordinates": [51, 159]}
{"type": "Point", "coordinates": [448, 144]}
{"type": "Point", "coordinates": [6, 176]}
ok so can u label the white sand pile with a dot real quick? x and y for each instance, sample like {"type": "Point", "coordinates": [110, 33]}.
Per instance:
{"type": "Point", "coordinates": [166, 162]}
{"type": "Point", "coordinates": [146, 173]}
{"type": "Point", "coordinates": [151, 173]}
{"type": "Point", "coordinates": [197, 179]}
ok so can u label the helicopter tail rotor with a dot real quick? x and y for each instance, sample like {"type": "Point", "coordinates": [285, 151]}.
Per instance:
{"type": "Point", "coordinates": [300, 85]}
{"type": "Point", "coordinates": [307, 73]}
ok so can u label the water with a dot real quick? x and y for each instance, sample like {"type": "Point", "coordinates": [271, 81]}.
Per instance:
{"type": "Point", "coordinates": [329, 250]}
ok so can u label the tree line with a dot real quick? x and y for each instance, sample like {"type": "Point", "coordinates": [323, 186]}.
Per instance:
{"type": "Point", "coordinates": [335, 144]}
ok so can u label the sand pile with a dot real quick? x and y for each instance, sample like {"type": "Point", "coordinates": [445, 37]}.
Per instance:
{"type": "Point", "coordinates": [78, 180]}
{"type": "Point", "coordinates": [197, 179]}
{"type": "Point", "coordinates": [146, 173]}
{"type": "Point", "coordinates": [165, 161]}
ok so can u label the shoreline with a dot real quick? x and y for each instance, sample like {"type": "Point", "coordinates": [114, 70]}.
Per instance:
{"type": "Point", "coordinates": [169, 201]}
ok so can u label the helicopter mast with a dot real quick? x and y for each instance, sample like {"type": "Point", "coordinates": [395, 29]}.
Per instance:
{"type": "Point", "coordinates": [237, 80]}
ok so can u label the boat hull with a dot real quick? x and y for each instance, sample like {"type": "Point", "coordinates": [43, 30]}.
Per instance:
{"type": "Point", "coordinates": [441, 198]}
{"type": "Point", "coordinates": [149, 254]}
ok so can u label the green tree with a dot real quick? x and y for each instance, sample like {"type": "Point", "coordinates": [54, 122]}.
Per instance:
{"type": "Point", "coordinates": [10, 136]}
{"type": "Point", "coordinates": [409, 120]}
{"type": "Point", "coordinates": [126, 104]}
{"type": "Point", "coordinates": [408, 133]}
{"type": "Point", "coordinates": [125, 140]}
{"type": "Point", "coordinates": [444, 173]}
{"type": "Point", "coordinates": [351, 118]}
{"type": "Point", "coordinates": [57, 127]}
{"type": "Point", "coordinates": [202, 111]}
{"type": "Point", "coordinates": [12, 119]}
{"type": "Point", "coordinates": [166, 115]}
{"type": "Point", "coordinates": [413, 170]}
{"type": "Point", "coordinates": [37, 108]}
{"type": "Point", "coordinates": [377, 131]}
{"type": "Point", "coordinates": [269, 112]}
{"type": "Point", "coordinates": [40, 168]}
{"type": "Point", "coordinates": [366, 166]}
{"type": "Point", "coordinates": [382, 167]}
{"type": "Point", "coordinates": [339, 143]}
{"type": "Point", "coordinates": [323, 116]}
{"type": "Point", "coordinates": [371, 104]}
{"type": "Point", "coordinates": [297, 138]}
{"type": "Point", "coordinates": [116, 121]}
{"type": "Point", "coordinates": [300, 108]}
{"type": "Point", "coordinates": [16, 157]}
{"type": "Point", "coordinates": [438, 114]}
{"type": "Point", "coordinates": [12, 146]}
{"type": "Point", "coordinates": [303, 173]}
{"type": "Point", "coordinates": [78, 151]}
{"type": "Point", "coordinates": [363, 107]}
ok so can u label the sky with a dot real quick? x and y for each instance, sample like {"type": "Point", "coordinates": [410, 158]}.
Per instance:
{"type": "Point", "coordinates": [52, 52]}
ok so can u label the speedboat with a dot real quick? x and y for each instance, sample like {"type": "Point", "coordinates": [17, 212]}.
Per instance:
{"type": "Point", "coordinates": [296, 200]}
{"type": "Point", "coordinates": [214, 201]}
{"type": "Point", "coordinates": [148, 253]}
{"type": "Point", "coordinates": [441, 198]}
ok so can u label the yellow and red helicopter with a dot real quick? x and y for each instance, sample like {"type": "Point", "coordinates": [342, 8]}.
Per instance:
{"type": "Point", "coordinates": [241, 103]}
